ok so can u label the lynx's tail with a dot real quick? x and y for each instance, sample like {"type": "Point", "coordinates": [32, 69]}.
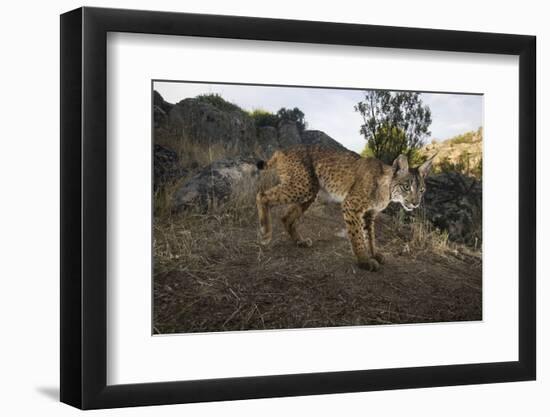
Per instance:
{"type": "Point", "coordinates": [269, 164]}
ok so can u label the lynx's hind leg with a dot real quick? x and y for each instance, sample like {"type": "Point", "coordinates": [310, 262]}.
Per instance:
{"type": "Point", "coordinates": [293, 214]}
{"type": "Point", "coordinates": [298, 187]}
{"type": "Point", "coordinates": [264, 216]}
{"type": "Point", "coordinates": [281, 194]}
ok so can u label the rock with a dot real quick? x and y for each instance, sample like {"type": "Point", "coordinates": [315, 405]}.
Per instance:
{"type": "Point", "coordinates": [166, 166]}
{"type": "Point", "coordinates": [453, 202]}
{"type": "Point", "coordinates": [316, 137]}
{"type": "Point", "coordinates": [288, 135]}
{"type": "Point", "coordinates": [214, 184]}
{"type": "Point", "coordinates": [268, 141]}
{"type": "Point", "coordinates": [201, 124]}
{"type": "Point", "coordinates": [161, 109]}
{"type": "Point", "coordinates": [463, 153]}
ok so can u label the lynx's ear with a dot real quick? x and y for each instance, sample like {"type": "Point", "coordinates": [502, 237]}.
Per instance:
{"type": "Point", "coordinates": [400, 165]}
{"type": "Point", "coordinates": [426, 167]}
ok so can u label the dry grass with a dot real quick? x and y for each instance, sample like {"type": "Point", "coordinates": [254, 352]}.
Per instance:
{"type": "Point", "coordinates": [162, 199]}
{"type": "Point", "coordinates": [211, 274]}
{"type": "Point", "coordinates": [192, 153]}
{"type": "Point", "coordinates": [242, 199]}
{"type": "Point", "coordinates": [422, 236]}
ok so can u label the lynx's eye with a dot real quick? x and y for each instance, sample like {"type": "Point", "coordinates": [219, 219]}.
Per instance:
{"type": "Point", "coordinates": [422, 189]}
{"type": "Point", "coordinates": [406, 187]}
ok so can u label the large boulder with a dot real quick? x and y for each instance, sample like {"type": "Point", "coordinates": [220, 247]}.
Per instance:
{"type": "Point", "coordinates": [453, 202]}
{"type": "Point", "coordinates": [270, 139]}
{"type": "Point", "coordinates": [317, 137]}
{"type": "Point", "coordinates": [215, 184]}
{"type": "Point", "coordinates": [199, 124]}
{"type": "Point", "coordinates": [161, 108]}
{"type": "Point", "coordinates": [289, 135]}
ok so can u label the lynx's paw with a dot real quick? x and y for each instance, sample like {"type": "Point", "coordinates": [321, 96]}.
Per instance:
{"type": "Point", "coordinates": [304, 243]}
{"type": "Point", "coordinates": [369, 264]}
{"type": "Point", "coordinates": [265, 239]}
{"type": "Point", "coordinates": [380, 258]}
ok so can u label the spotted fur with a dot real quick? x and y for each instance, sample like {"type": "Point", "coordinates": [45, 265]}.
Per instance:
{"type": "Point", "coordinates": [363, 186]}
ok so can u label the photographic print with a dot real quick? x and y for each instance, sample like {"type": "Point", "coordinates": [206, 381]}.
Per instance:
{"type": "Point", "coordinates": [287, 207]}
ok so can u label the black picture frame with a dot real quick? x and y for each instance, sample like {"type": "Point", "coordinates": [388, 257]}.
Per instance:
{"type": "Point", "coordinates": [84, 207]}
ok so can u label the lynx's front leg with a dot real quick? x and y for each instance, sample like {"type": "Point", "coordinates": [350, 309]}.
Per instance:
{"type": "Point", "coordinates": [369, 229]}
{"type": "Point", "coordinates": [353, 217]}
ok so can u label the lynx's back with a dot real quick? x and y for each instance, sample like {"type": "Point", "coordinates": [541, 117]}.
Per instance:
{"type": "Point", "coordinates": [332, 171]}
{"type": "Point", "coordinates": [335, 170]}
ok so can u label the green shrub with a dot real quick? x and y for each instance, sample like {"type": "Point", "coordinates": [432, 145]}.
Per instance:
{"type": "Point", "coordinates": [218, 101]}
{"type": "Point", "coordinates": [464, 165]}
{"type": "Point", "coordinates": [264, 118]}
{"type": "Point", "coordinates": [293, 115]}
{"type": "Point", "coordinates": [467, 137]}
{"type": "Point", "coordinates": [414, 156]}
{"type": "Point", "coordinates": [477, 171]}
{"type": "Point", "coordinates": [367, 152]}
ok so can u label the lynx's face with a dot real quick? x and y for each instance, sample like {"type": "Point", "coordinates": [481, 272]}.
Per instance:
{"type": "Point", "coordinates": [408, 185]}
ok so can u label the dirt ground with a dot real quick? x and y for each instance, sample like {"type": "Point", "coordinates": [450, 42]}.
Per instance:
{"type": "Point", "coordinates": [212, 275]}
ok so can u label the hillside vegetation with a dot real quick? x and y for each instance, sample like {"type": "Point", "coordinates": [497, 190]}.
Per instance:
{"type": "Point", "coordinates": [462, 153]}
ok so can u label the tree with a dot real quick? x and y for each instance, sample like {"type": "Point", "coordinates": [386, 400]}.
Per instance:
{"type": "Point", "coordinates": [293, 115]}
{"type": "Point", "coordinates": [394, 123]}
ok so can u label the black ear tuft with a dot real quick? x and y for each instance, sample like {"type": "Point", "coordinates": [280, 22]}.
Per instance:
{"type": "Point", "coordinates": [260, 164]}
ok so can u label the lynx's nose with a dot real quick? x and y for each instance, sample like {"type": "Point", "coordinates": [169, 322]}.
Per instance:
{"type": "Point", "coordinates": [415, 202]}
{"type": "Point", "coordinates": [412, 206]}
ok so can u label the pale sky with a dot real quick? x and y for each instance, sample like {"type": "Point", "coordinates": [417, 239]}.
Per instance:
{"type": "Point", "coordinates": [331, 110]}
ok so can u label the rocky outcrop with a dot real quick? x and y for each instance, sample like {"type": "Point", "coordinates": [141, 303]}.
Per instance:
{"type": "Point", "coordinates": [161, 108]}
{"type": "Point", "coordinates": [316, 137]}
{"type": "Point", "coordinates": [463, 153]}
{"type": "Point", "coordinates": [289, 135]}
{"type": "Point", "coordinates": [453, 202]}
{"type": "Point", "coordinates": [200, 123]}
{"type": "Point", "coordinates": [215, 184]}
